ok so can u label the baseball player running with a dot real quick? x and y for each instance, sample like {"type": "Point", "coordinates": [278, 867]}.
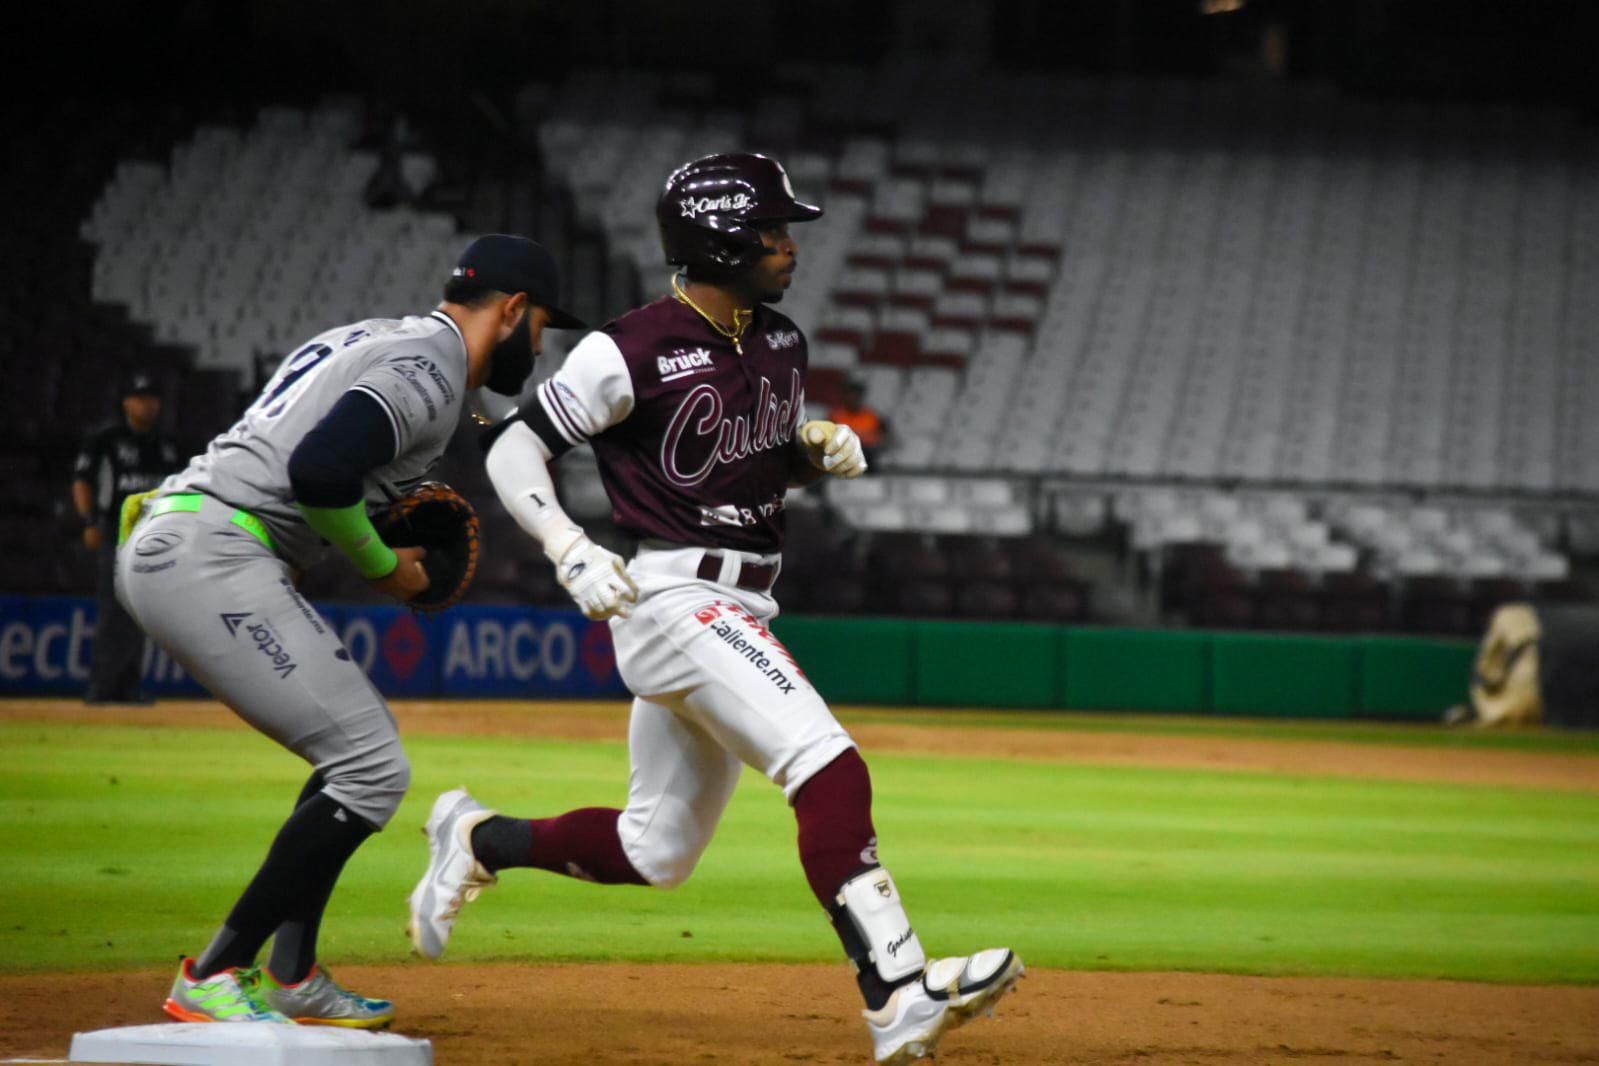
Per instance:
{"type": "Point", "coordinates": [355, 415]}
{"type": "Point", "coordinates": [694, 406]}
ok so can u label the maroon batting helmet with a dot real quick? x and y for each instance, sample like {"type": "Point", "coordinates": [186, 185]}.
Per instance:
{"type": "Point", "coordinates": [708, 209]}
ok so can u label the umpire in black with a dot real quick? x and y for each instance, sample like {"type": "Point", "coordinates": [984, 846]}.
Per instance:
{"type": "Point", "coordinates": [125, 457]}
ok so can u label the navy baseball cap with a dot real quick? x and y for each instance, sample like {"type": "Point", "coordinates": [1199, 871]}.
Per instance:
{"type": "Point", "coordinates": [514, 264]}
{"type": "Point", "coordinates": [141, 384]}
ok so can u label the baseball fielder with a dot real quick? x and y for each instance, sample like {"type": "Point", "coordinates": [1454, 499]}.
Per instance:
{"type": "Point", "coordinates": [356, 415]}
{"type": "Point", "coordinates": [694, 406]}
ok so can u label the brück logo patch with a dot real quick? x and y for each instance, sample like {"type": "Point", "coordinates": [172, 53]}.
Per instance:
{"type": "Point", "coordinates": [683, 362]}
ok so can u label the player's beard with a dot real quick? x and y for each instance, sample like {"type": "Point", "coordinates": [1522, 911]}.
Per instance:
{"type": "Point", "coordinates": [511, 361]}
{"type": "Point", "coordinates": [776, 293]}
{"type": "Point", "coordinates": [768, 288]}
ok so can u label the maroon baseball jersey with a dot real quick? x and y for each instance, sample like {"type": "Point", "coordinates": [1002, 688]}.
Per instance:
{"type": "Point", "coordinates": [693, 438]}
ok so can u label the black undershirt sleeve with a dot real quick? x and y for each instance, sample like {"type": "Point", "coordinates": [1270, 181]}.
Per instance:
{"type": "Point", "coordinates": [538, 420]}
{"type": "Point", "coordinates": [355, 437]}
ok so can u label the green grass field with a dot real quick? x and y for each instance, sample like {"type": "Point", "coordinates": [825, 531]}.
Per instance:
{"type": "Point", "coordinates": [1386, 734]}
{"type": "Point", "coordinates": [123, 846]}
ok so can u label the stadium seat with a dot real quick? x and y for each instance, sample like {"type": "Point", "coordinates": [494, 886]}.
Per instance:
{"type": "Point", "coordinates": [1288, 320]}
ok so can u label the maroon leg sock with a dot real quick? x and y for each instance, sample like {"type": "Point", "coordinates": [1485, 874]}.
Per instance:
{"type": "Point", "coordinates": [836, 842]}
{"type": "Point", "coordinates": [836, 838]}
{"type": "Point", "coordinates": [581, 843]}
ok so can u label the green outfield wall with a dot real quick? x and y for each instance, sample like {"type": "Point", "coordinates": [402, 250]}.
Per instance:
{"type": "Point", "coordinates": [965, 664]}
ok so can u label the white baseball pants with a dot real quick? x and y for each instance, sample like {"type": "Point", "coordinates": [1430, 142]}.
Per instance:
{"type": "Point", "coordinates": [715, 690]}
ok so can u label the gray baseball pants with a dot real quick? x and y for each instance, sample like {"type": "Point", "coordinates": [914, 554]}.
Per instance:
{"type": "Point", "coordinates": [210, 591]}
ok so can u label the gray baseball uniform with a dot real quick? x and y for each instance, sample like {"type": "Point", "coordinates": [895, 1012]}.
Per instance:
{"type": "Point", "coordinates": [209, 571]}
{"type": "Point", "coordinates": [414, 367]}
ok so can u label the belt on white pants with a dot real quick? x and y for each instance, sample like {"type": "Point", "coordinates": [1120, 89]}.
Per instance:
{"type": "Point", "coordinates": [722, 566]}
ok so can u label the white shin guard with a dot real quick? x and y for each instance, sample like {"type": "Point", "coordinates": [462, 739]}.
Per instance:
{"type": "Point", "coordinates": [870, 906]}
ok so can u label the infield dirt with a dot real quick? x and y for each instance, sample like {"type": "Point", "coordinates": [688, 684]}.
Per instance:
{"type": "Point", "coordinates": [613, 1013]}
{"type": "Point", "coordinates": [762, 1014]}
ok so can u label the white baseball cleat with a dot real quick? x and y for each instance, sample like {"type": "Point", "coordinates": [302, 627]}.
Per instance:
{"type": "Point", "coordinates": [950, 993]}
{"type": "Point", "coordinates": [454, 877]}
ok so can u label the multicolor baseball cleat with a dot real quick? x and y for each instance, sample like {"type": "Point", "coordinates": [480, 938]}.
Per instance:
{"type": "Point", "coordinates": [950, 993]}
{"type": "Point", "coordinates": [320, 1000]}
{"type": "Point", "coordinates": [454, 877]}
{"type": "Point", "coordinates": [232, 995]}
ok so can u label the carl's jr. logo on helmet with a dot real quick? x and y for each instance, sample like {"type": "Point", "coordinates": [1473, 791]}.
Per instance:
{"type": "Point", "coordinates": [698, 205]}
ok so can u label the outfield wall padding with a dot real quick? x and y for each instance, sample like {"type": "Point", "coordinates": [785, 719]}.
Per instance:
{"type": "Point", "coordinates": [968, 664]}
{"type": "Point", "coordinates": [992, 665]}
{"type": "Point", "coordinates": [1407, 677]}
{"type": "Point", "coordinates": [855, 660]}
{"type": "Point", "coordinates": [1299, 677]}
{"type": "Point", "coordinates": [1136, 669]}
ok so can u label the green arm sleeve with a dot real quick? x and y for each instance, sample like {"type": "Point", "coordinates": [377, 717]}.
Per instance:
{"type": "Point", "coordinates": [350, 530]}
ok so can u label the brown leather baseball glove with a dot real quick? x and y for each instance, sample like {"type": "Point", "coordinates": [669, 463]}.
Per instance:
{"type": "Point", "coordinates": [436, 517]}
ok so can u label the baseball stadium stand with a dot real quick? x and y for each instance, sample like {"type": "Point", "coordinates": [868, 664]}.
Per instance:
{"type": "Point", "coordinates": [1224, 358]}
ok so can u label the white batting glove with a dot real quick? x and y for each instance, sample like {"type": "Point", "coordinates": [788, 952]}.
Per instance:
{"type": "Point", "coordinates": [596, 579]}
{"type": "Point", "coordinates": [833, 448]}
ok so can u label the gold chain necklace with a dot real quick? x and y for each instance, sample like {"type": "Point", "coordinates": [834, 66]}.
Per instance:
{"type": "Point", "coordinates": [734, 333]}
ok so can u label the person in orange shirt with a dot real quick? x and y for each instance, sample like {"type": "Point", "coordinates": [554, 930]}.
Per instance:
{"type": "Point", "coordinates": [857, 414]}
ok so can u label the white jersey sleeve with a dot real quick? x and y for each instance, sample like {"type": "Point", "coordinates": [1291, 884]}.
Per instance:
{"type": "Point", "coordinates": [420, 397]}
{"type": "Point", "coordinates": [592, 391]}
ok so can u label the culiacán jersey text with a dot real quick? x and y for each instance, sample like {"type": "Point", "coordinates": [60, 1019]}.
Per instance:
{"type": "Point", "coordinates": [692, 437]}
